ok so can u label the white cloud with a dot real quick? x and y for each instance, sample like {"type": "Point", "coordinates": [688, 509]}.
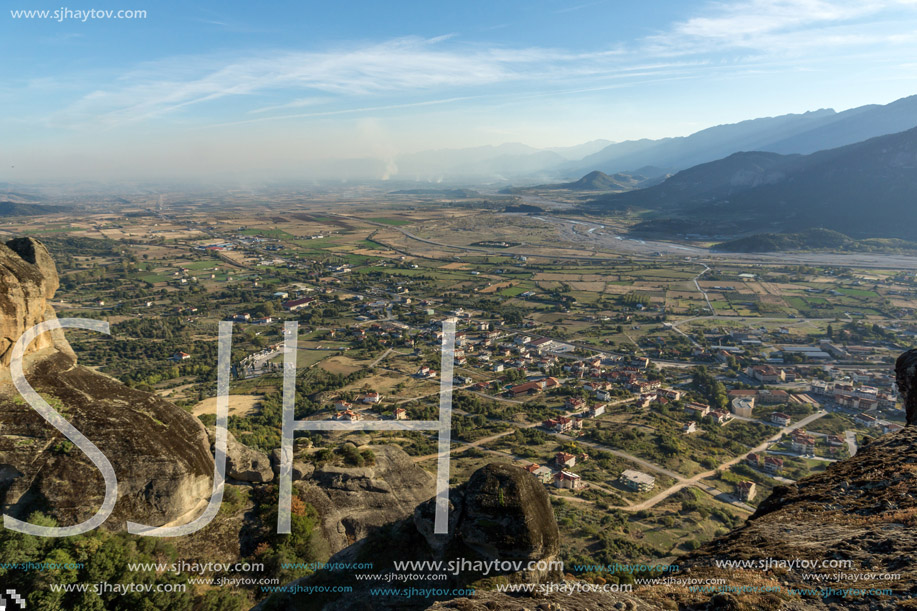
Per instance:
{"type": "Point", "coordinates": [772, 25]}
{"type": "Point", "coordinates": [407, 72]}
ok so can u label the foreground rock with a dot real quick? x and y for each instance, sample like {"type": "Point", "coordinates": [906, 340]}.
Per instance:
{"type": "Point", "coordinates": [246, 464]}
{"type": "Point", "coordinates": [860, 510]}
{"type": "Point", "coordinates": [354, 500]}
{"type": "Point", "coordinates": [501, 513]}
{"type": "Point", "coordinates": [159, 452]}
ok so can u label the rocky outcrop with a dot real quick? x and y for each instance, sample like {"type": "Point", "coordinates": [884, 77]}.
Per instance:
{"type": "Point", "coordinates": [159, 452]}
{"type": "Point", "coordinates": [354, 500]}
{"type": "Point", "coordinates": [28, 281]}
{"type": "Point", "coordinates": [906, 378]}
{"type": "Point", "coordinates": [860, 510]}
{"type": "Point", "coordinates": [246, 464]}
{"type": "Point", "coordinates": [501, 513]}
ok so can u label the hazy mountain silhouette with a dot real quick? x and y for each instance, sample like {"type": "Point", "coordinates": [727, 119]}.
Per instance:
{"type": "Point", "coordinates": [796, 133]}
{"type": "Point", "coordinates": [867, 189]}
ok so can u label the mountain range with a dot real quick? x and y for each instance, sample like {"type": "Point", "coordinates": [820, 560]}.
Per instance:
{"type": "Point", "coordinates": [786, 134]}
{"type": "Point", "coordinates": [864, 190]}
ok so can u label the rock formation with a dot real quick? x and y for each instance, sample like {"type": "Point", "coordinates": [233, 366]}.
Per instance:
{"type": "Point", "coordinates": [501, 513]}
{"type": "Point", "coordinates": [159, 452]}
{"type": "Point", "coordinates": [354, 500]}
{"type": "Point", "coordinates": [28, 281]}
{"type": "Point", "coordinates": [906, 378]}
{"type": "Point", "coordinates": [246, 464]}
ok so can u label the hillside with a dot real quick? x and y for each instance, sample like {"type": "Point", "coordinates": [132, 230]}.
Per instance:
{"type": "Point", "coordinates": [812, 239]}
{"type": "Point", "coordinates": [10, 208]}
{"type": "Point", "coordinates": [593, 182]}
{"type": "Point", "coordinates": [864, 190]}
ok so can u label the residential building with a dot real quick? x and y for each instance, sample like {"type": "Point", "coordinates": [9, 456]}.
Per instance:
{"type": "Point", "coordinates": [637, 480]}
{"type": "Point", "coordinates": [574, 403]}
{"type": "Point", "coordinates": [745, 491]}
{"type": "Point", "coordinates": [802, 443]}
{"type": "Point", "coordinates": [780, 418]}
{"type": "Point", "coordinates": [564, 460]}
{"type": "Point", "coordinates": [772, 464]}
{"type": "Point", "coordinates": [348, 415]}
{"type": "Point", "coordinates": [836, 440]}
{"type": "Point", "coordinates": [697, 410]}
{"type": "Point", "coordinates": [567, 480]}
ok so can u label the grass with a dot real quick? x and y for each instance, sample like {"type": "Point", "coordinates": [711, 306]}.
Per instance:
{"type": "Point", "coordinates": [513, 291]}
{"type": "Point", "coordinates": [388, 221]}
{"type": "Point", "coordinates": [277, 234]}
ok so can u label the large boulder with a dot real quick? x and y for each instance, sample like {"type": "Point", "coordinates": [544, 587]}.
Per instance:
{"type": "Point", "coordinates": [159, 452]}
{"type": "Point", "coordinates": [353, 500]}
{"type": "Point", "coordinates": [501, 513]}
{"type": "Point", "coordinates": [246, 464]}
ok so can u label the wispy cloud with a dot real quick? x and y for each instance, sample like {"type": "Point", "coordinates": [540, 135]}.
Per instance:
{"type": "Point", "coordinates": [773, 25]}
{"type": "Point", "coordinates": [408, 65]}
{"type": "Point", "coordinates": [405, 72]}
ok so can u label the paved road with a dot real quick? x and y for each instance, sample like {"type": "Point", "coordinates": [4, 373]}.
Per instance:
{"type": "Point", "coordinates": [696, 480]}
{"type": "Point", "coordinates": [381, 358]}
{"type": "Point", "coordinates": [681, 481]}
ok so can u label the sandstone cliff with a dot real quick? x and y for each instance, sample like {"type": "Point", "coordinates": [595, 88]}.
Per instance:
{"type": "Point", "coordinates": [159, 452]}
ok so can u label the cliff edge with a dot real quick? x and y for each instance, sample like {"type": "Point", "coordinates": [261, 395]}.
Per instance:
{"type": "Point", "coordinates": [159, 452]}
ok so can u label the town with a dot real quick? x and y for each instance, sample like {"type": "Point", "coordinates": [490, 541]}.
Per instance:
{"type": "Point", "coordinates": [644, 384]}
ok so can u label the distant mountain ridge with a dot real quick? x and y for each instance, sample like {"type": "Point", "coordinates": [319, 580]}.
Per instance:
{"type": "Point", "coordinates": [864, 190]}
{"type": "Point", "coordinates": [787, 134]}
{"type": "Point", "coordinates": [802, 133]}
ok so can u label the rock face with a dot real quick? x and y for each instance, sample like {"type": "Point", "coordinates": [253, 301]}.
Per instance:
{"type": "Point", "coordinates": [906, 378]}
{"type": "Point", "coordinates": [353, 500]}
{"type": "Point", "coordinates": [246, 464]}
{"type": "Point", "coordinates": [501, 513]}
{"type": "Point", "coordinates": [159, 452]}
{"type": "Point", "coordinates": [28, 280]}
{"type": "Point", "coordinates": [861, 509]}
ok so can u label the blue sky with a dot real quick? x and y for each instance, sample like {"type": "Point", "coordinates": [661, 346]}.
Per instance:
{"type": "Point", "coordinates": [201, 88]}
